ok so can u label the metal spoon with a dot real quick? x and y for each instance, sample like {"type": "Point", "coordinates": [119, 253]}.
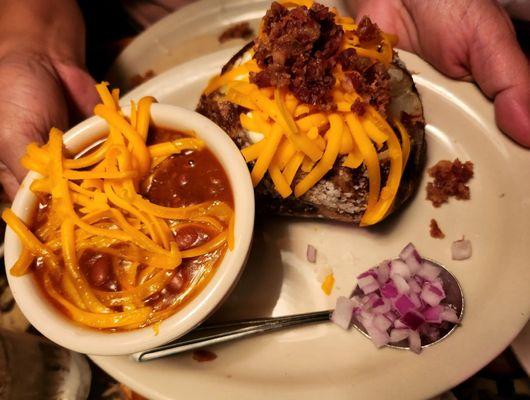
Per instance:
{"type": "Point", "coordinates": [211, 334]}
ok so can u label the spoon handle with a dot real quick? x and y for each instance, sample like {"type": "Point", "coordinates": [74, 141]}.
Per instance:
{"type": "Point", "coordinates": [227, 331]}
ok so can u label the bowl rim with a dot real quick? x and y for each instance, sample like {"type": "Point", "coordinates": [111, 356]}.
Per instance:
{"type": "Point", "coordinates": [53, 324]}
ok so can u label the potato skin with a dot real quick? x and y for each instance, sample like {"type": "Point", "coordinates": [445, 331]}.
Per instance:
{"type": "Point", "coordinates": [342, 194]}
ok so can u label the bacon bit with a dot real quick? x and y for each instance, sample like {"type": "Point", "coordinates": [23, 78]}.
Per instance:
{"type": "Point", "coordinates": [138, 79]}
{"type": "Point", "coordinates": [436, 232]}
{"type": "Point", "coordinates": [368, 32]}
{"type": "Point", "coordinates": [237, 31]}
{"type": "Point", "coordinates": [297, 49]}
{"type": "Point", "coordinates": [450, 179]}
{"type": "Point", "coordinates": [202, 355]}
{"type": "Point", "coordinates": [358, 107]}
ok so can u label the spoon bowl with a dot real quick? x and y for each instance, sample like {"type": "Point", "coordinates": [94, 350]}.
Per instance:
{"type": "Point", "coordinates": [454, 299]}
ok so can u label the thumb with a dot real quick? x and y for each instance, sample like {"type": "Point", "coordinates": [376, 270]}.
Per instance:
{"type": "Point", "coordinates": [80, 89]}
{"type": "Point", "coordinates": [501, 69]}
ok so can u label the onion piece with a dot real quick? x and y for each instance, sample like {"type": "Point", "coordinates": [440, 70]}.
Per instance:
{"type": "Point", "coordinates": [449, 315]}
{"type": "Point", "coordinates": [343, 313]}
{"type": "Point", "coordinates": [383, 272]}
{"type": "Point", "coordinates": [461, 249]}
{"type": "Point", "coordinates": [415, 341]}
{"type": "Point", "coordinates": [401, 284]}
{"type": "Point", "coordinates": [399, 267]}
{"type": "Point", "coordinates": [382, 306]}
{"type": "Point", "coordinates": [433, 314]}
{"type": "Point", "coordinates": [432, 295]}
{"type": "Point", "coordinates": [368, 284]}
{"type": "Point", "coordinates": [398, 334]}
{"type": "Point", "coordinates": [428, 271]}
{"type": "Point", "coordinates": [389, 290]}
{"type": "Point", "coordinates": [382, 323]}
{"type": "Point", "coordinates": [411, 256]}
{"type": "Point", "coordinates": [311, 254]}
{"type": "Point", "coordinates": [412, 319]}
{"type": "Point", "coordinates": [403, 304]}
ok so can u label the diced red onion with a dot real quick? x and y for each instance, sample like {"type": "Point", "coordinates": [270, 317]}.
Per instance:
{"type": "Point", "coordinates": [401, 284]}
{"type": "Point", "coordinates": [428, 271]}
{"type": "Point", "coordinates": [437, 283]}
{"type": "Point", "coordinates": [415, 298]}
{"type": "Point", "coordinates": [371, 272]}
{"type": "Point", "coordinates": [389, 290]}
{"type": "Point", "coordinates": [432, 295]}
{"type": "Point", "coordinates": [379, 338]}
{"type": "Point", "coordinates": [398, 324]}
{"type": "Point", "coordinates": [343, 313]}
{"type": "Point", "coordinates": [383, 271]}
{"type": "Point", "coordinates": [461, 249]}
{"type": "Point", "coordinates": [414, 286]}
{"type": "Point", "coordinates": [392, 316]}
{"type": "Point", "coordinates": [408, 251]}
{"type": "Point", "coordinates": [382, 323]}
{"type": "Point", "coordinates": [411, 256]}
{"type": "Point", "coordinates": [403, 304]}
{"type": "Point", "coordinates": [412, 319]}
{"type": "Point", "coordinates": [399, 267]}
{"type": "Point", "coordinates": [311, 253]}
{"type": "Point", "coordinates": [368, 284]}
{"type": "Point", "coordinates": [433, 314]}
{"type": "Point", "coordinates": [399, 334]}
{"type": "Point", "coordinates": [449, 315]}
{"type": "Point", "coordinates": [382, 306]}
{"type": "Point", "coordinates": [415, 341]}
{"type": "Point", "coordinates": [402, 299]}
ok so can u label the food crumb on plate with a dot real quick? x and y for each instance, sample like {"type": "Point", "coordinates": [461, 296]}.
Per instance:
{"type": "Point", "coordinates": [435, 230]}
{"type": "Point", "coordinates": [450, 179]}
{"type": "Point", "coordinates": [327, 285]}
{"type": "Point", "coordinates": [311, 254]}
{"type": "Point", "coordinates": [461, 249]}
{"type": "Point", "coordinates": [203, 355]}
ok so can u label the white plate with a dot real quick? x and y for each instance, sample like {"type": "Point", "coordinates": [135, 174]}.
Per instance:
{"type": "Point", "coordinates": [323, 361]}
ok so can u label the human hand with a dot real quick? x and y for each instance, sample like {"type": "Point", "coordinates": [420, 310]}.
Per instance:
{"type": "Point", "coordinates": [42, 77]}
{"type": "Point", "coordinates": [464, 39]}
{"type": "Point", "coordinates": [35, 95]}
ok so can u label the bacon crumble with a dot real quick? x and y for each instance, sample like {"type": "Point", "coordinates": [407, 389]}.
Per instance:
{"type": "Point", "coordinates": [450, 179]}
{"type": "Point", "coordinates": [299, 49]}
{"type": "Point", "coordinates": [435, 230]}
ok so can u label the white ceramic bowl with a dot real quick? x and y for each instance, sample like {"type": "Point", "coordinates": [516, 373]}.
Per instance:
{"type": "Point", "coordinates": [57, 327]}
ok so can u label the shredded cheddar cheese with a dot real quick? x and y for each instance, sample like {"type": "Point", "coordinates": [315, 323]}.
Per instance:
{"type": "Point", "coordinates": [94, 204]}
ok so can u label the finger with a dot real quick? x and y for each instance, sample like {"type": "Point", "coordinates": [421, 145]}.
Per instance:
{"type": "Point", "coordinates": [512, 112]}
{"type": "Point", "coordinates": [390, 16]}
{"type": "Point", "coordinates": [80, 88]}
{"type": "Point", "coordinates": [15, 134]}
{"type": "Point", "coordinates": [8, 181]}
{"type": "Point", "coordinates": [502, 71]}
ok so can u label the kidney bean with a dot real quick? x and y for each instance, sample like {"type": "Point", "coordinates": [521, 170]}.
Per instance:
{"type": "Point", "coordinates": [97, 267]}
{"type": "Point", "coordinates": [187, 237]}
{"type": "Point", "coordinates": [176, 283]}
